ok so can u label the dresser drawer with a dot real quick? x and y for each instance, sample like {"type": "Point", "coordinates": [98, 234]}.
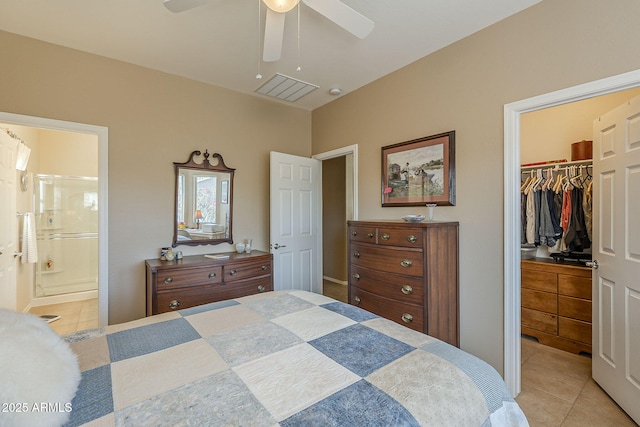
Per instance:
{"type": "Point", "coordinates": [574, 286]}
{"type": "Point", "coordinates": [410, 237]}
{"type": "Point", "coordinates": [575, 308]}
{"type": "Point", "coordinates": [191, 297]}
{"type": "Point", "coordinates": [185, 298]}
{"type": "Point", "coordinates": [406, 289]}
{"type": "Point", "coordinates": [538, 300]}
{"type": "Point", "coordinates": [409, 315]}
{"type": "Point", "coordinates": [540, 321]}
{"type": "Point", "coordinates": [362, 234]}
{"type": "Point", "coordinates": [239, 271]}
{"type": "Point", "coordinates": [177, 278]}
{"type": "Point", "coordinates": [391, 260]}
{"type": "Point", "coordinates": [574, 329]}
{"type": "Point", "coordinates": [539, 280]}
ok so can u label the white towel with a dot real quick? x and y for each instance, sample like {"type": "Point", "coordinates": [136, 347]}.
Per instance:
{"type": "Point", "coordinates": [29, 247]}
{"type": "Point", "coordinates": [23, 156]}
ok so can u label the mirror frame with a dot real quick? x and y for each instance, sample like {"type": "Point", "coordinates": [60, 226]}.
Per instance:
{"type": "Point", "coordinates": [204, 166]}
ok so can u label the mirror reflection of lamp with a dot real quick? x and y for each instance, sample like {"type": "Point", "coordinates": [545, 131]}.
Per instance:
{"type": "Point", "coordinates": [198, 218]}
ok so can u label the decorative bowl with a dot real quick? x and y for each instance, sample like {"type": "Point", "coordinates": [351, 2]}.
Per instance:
{"type": "Point", "coordinates": [413, 218]}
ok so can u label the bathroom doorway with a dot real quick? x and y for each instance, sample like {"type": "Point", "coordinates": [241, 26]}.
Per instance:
{"type": "Point", "coordinates": [64, 191]}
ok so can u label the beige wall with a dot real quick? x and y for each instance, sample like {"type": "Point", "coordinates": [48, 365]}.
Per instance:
{"type": "Point", "coordinates": [553, 45]}
{"type": "Point", "coordinates": [67, 153]}
{"type": "Point", "coordinates": [154, 119]}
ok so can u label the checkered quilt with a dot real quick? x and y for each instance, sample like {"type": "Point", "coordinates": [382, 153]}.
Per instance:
{"type": "Point", "coordinates": [281, 358]}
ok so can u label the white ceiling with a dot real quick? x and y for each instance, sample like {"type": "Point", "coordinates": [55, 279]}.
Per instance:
{"type": "Point", "coordinates": [219, 43]}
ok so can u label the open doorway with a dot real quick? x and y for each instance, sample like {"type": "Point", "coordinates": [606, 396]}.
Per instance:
{"type": "Point", "coordinates": [56, 194]}
{"type": "Point", "coordinates": [513, 112]}
{"type": "Point", "coordinates": [339, 204]}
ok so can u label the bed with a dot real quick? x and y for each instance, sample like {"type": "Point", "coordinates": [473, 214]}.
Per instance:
{"type": "Point", "coordinates": [288, 358]}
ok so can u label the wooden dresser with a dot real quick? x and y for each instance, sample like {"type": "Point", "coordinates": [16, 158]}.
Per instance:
{"type": "Point", "coordinates": [196, 280]}
{"type": "Point", "coordinates": [408, 273]}
{"type": "Point", "coordinates": [556, 304]}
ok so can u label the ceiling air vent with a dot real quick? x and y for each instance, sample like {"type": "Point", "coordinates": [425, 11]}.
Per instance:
{"type": "Point", "coordinates": [286, 88]}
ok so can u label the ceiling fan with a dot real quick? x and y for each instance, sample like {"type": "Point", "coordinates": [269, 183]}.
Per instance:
{"type": "Point", "coordinates": [334, 10]}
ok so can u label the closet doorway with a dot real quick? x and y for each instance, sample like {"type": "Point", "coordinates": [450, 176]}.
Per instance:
{"type": "Point", "coordinates": [512, 159]}
{"type": "Point", "coordinates": [97, 199]}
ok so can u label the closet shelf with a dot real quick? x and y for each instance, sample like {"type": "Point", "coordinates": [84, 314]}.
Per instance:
{"type": "Point", "coordinates": [556, 166]}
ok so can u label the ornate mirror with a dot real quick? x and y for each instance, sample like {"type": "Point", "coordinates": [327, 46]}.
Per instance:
{"type": "Point", "coordinates": [204, 201]}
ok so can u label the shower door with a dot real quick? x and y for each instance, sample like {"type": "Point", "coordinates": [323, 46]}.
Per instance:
{"type": "Point", "coordinates": [66, 211]}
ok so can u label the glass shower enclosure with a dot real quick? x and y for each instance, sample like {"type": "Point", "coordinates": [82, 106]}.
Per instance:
{"type": "Point", "coordinates": [66, 209]}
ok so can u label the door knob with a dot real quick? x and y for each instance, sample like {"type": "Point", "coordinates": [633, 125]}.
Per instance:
{"type": "Point", "coordinates": [276, 246]}
{"type": "Point", "coordinates": [593, 264]}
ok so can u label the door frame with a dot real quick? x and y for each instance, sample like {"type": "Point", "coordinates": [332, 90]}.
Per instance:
{"type": "Point", "coordinates": [103, 224]}
{"type": "Point", "coordinates": [351, 182]}
{"type": "Point", "coordinates": [512, 113]}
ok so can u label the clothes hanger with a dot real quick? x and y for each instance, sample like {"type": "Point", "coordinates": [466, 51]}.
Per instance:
{"type": "Point", "coordinates": [549, 180]}
{"type": "Point", "coordinates": [576, 179]}
{"type": "Point", "coordinates": [558, 184]}
{"type": "Point", "coordinates": [526, 182]}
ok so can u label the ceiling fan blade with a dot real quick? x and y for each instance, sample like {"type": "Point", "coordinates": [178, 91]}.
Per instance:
{"type": "Point", "coordinates": [346, 17]}
{"type": "Point", "coordinates": [273, 34]}
{"type": "Point", "coordinates": [182, 5]}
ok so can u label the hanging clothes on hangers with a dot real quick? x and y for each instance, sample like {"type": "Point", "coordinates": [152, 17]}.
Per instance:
{"type": "Point", "coordinates": [556, 209]}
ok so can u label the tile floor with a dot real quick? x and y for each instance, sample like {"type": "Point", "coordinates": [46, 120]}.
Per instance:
{"type": "Point", "coordinates": [74, 316]}
{"type": "Point", "coordinates": [557, 390]}
{"type": "Point", "coordinates": [335, 290]}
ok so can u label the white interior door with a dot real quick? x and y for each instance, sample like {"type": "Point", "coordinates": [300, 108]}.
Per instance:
{"type": "Point", "coordinates": [295, 225]}
{"type": "Point", "coordinates": [616, 281]}
{"type": "Point", "coordinates": [8, 221]}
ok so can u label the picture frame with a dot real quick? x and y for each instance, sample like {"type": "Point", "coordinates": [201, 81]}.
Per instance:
{"type": "Point", "coordinates": [224, 189]}
{"type": "Point", "coordinates": [420, 171]}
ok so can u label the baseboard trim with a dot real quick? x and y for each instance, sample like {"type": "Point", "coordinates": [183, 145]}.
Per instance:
{"type": "Point", "coordinates": [339, 282]}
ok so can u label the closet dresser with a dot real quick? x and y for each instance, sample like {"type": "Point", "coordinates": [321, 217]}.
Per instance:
{"type": "Point", "coordinates": [407, 272]}
{"type": "Point", "coordinates": [196, 279]}
{"type": "Point", "coordinates": [556, 304]}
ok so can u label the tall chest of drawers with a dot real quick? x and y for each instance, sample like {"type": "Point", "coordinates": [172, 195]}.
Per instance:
{"type": "Point", "coordinates": [408, 273]}
{"type": "Point", "coordinates": [196, 280]}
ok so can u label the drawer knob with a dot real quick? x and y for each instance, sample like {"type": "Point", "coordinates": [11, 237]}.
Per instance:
{"type": "Point", "coordinates": [233, 272]}
{"type": "Point", "coordinates": [168, 280]}
{"type": "Point", "coordinates": [356, 254]}
{"type": "Point", "coordinates": [264, 267]}
{"type": "Point", "coordinates": [174, 304]}
{"type": "Point", "coordinates": [412, 238]}
{"type": "Point", "coordinates": [354, 233]}
{"type": "Point", "coordinates": [407, 318]}
{"type": "Point", "coordinates": [406, 263]}
{"type": "Point", "coordinates": [356, 276]}
{"type": "Point", "coordinates": [407, 290]}
{"type": "Point", "coordinates": [370, 235]}
{"type": "Point", "coordinates": [385, 236]}
{"type": "Point", "coordinates": [212, 275]}
{"type": "Point", "coordinates": [260, 288]}
{"type": "Point", "coordinates": [356, 299]}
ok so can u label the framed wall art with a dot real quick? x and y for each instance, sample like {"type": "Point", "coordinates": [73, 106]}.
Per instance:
{"type": "Point", "coordinates": [420, 171]}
